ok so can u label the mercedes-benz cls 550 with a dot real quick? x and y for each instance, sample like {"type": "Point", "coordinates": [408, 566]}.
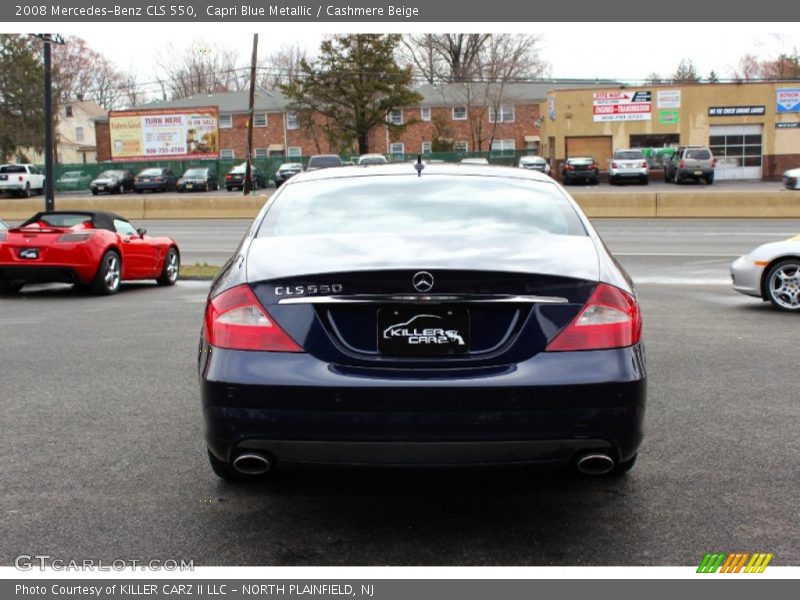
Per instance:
{"type": "Point", "coordinates": [443, 315]}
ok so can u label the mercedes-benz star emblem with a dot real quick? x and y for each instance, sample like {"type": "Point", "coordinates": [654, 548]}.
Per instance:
{"type": "Point", "coordinates": [423, 281]}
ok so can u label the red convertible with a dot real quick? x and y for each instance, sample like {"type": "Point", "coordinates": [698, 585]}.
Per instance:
{"type": "Point", "coordinates": [94, 249]}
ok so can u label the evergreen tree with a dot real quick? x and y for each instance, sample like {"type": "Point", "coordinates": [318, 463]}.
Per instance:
{"type": "Point", "coordinates": [354, 84]}
{"type": "Point", "coordinates": [21, 89]}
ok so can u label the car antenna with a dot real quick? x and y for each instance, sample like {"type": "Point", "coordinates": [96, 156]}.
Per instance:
{"type": "Point", "coordinates": [418, 165]}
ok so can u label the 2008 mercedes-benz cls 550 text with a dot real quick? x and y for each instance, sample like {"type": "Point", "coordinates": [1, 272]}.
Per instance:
{"type": "Point", "coordinates": [443, 315]}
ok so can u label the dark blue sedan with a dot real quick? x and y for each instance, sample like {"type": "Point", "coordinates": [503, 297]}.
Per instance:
{"type": "Point", "coordinates": [464, 315]}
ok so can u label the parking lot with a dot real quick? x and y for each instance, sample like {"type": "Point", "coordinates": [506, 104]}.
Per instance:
{"type": "Point", "coordinates": [103, 451]}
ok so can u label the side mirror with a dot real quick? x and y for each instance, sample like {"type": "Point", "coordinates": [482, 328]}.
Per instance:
{"type": "Point", "coordinates": [141, 231]}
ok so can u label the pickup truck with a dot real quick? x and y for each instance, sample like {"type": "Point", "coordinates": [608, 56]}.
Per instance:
{"type": "Point", "coordinates": [22, 180]}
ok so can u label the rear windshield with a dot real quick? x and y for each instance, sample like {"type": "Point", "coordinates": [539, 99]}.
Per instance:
{"type": "Point", "coordinates": [698, 154]}
{"type": "Point", "coordinates": [72, 174]}
{"type": "Point", "coordinates": [290, 166]}
{"type": "Point", "coordinates": [432, 205]}
{"type": "Point", "coordinates": [195, 173]}
{"type": "Point", "coordinates": [531, 160]}
{"type": "Point", "coordinates": [629, 155]}
{"type": "Point", "coordinates": [325, 161]}
{"type": "Point", "coordinates": [12, 169]}
{"type": "Point", "coordinates": [150, 172]}
{"type": "Point", "coordinates": [59, 220]}
{"type": "Point", "coordinates": [580, 161]}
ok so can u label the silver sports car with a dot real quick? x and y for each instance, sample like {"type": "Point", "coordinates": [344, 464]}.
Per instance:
{"type": "Point", "coordinates": [771, 272]}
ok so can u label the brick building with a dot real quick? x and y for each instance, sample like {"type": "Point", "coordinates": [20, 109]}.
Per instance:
{"type": "Point", "coordinates": [460, 117]}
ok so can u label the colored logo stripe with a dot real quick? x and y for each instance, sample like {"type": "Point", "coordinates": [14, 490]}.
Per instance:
{"type": "Point", "coordinates": [735, 562]}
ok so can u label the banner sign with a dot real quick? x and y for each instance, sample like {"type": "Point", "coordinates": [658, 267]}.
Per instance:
{"type": "Point", "coordinates": [171, 133]}
{"type": "Point", "coordinates": [622, 106]}
{"type": "Point", "coordinates": [668, 98]}
{"type": "Point", "coordinates": [788, 125]}
{"type": "Point", "coordinates": [735, 111]}
{"type": "Point", "coordinates": [788, 100]}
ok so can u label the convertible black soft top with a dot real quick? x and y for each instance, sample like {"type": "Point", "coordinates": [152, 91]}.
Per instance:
{"type": "Point", "coordinates": [100, 219]}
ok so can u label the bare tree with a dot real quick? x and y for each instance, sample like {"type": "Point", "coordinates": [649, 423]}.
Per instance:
{"type": "Point", "coordinates": [201, 68]}
{"type": "Point", "coordinates": [283, 66]}
{"type": "Point", "coordinates": [747, 69]}
{"type": "Point", "coordinates": [133, 93]}
{"type": "Point", "coordinates": [476, 56]}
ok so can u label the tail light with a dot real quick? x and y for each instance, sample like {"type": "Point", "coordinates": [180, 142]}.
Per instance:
{"type": "Point", "coordinates": [158, 179]}
{"type": "Point", "coordinates": [644, 164]}
{"type": "Point", "coordinates": [713, 162]}
{"type": "Point", "coordinates": [682, 165]}
{"type": "Point", "coordinates": [610, 319]}
{"type": "Point", "coordinates": [570, 168]}
{"type": "Point", "coordinates": [613, 165]}
{"type": "Point", "coordinates": [595, 166]}
{"type": "Point", "coordinates": [235, 319]}
{"type": "Point", "coordinates": [75, 237]}
{"type": "Point", "coordinates": [20, 178]}
{"type": "Point", "coordinates": [228, 177]}
{"type": "Point", "coordinates": [137, 179]}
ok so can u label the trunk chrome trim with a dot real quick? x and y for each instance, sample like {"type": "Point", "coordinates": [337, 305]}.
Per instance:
{"type": "Point", "coordinates": [424, 299]}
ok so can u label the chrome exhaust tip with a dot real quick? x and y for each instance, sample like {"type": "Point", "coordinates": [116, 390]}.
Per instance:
{"type": "Point", "coordinates": [595, 464]}
{"type": "Point", "coordinates": [251, 463]}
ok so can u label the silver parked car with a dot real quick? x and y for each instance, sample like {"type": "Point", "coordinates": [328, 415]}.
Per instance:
{"type": "Point", "coordinates": [771, 272]}
{"type": "Point", "coordinates": [628, 165]}
{"type": "Point", "coordinates": [791, 179]}
{"type": "Point", "coordinates": [536, 163]}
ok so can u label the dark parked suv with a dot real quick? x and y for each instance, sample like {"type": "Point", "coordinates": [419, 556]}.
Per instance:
{"type": "Point", "coordinates": [155, 179]}
{"type": "Point", "coordinates": [580, 168]}
{"type": "Point", "coordinates": [691, 162]}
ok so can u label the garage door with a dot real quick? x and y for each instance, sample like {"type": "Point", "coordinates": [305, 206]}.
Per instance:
{"type": "Point", "coordinates": [737, 149]}
{"type": "Point", "coordinates": [598, 147]}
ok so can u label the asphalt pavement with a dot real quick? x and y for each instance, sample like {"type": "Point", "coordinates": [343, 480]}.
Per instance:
{"type": "Point", "coordinates": [103, 455]}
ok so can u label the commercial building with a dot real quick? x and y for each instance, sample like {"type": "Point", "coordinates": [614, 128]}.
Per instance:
{"type": "Point", "coordinates": [753, 129]}
{"type": "Point", "coordinates": [456, 117]}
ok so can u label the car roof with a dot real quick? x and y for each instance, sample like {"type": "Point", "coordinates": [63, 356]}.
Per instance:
{"type": "Point", "coordinates": [100, 218]}
{"type": "Point", "coordinates": [409, 168]}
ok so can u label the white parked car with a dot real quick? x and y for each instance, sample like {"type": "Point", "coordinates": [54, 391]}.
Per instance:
{"type": "Point", "coordinates": [791, 179]}
{"type": "Point", "coordinates": [628, 165]}
{"type": "Point", "coordinates": [22, 180]}
{"type": "Point", "coordinates": [771, 272]}
{"type": "Point", "coordinates": [372, 159]}
{"type": "Point", "coordinates": [535, 163]}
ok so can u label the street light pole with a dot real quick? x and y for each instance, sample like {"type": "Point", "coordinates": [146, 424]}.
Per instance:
{"type": "Point", "coordinates": [49, 195]}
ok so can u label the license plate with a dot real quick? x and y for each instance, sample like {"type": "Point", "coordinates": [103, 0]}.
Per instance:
{"type": "Point", "coordinates": [189, 186]}
{"type": "Point", "coordinates": [29, 253]}
{"type": "Point", "coordinates": [101, 187]}
{"type": "Point", "coordinates": [698, 172]}
{"type": "Point", "coordinates": [423, 331]}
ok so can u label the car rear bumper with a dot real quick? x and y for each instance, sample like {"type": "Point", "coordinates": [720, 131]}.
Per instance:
{"type": "Point", "coordinates": [299, 409]}
{"type": "Point", "coordinates": [698, 172]}
{"type": "Point", "coordinates": [632, 173]}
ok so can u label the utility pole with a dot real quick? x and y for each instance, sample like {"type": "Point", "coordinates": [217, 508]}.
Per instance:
{"type": "Point", "coordinates": [247, 187]}
{"type": "Point", "coordinates": [49, 195]}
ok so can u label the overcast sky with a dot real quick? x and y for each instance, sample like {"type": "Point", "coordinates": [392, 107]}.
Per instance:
{"type": "Point", "coordinates": [623, 51]}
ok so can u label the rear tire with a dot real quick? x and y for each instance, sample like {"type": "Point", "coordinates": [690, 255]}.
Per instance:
{"type": "Point", "coordinates": [10, 287]}
{"type": "Point", "coordinates": [94, 192]}
{"type": "Point", "coordinates": [645, 181]}
{"type": "Point", "coordinates": [26, 193]}
{"type": "Point", "coordinates": [623, 467]}
{"type": "Point", "coordinates": [710, 180]}
{"type": "Point", "coordinates": [171, 269]}
{"type": "Point", "coordinates": [109, 274]}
